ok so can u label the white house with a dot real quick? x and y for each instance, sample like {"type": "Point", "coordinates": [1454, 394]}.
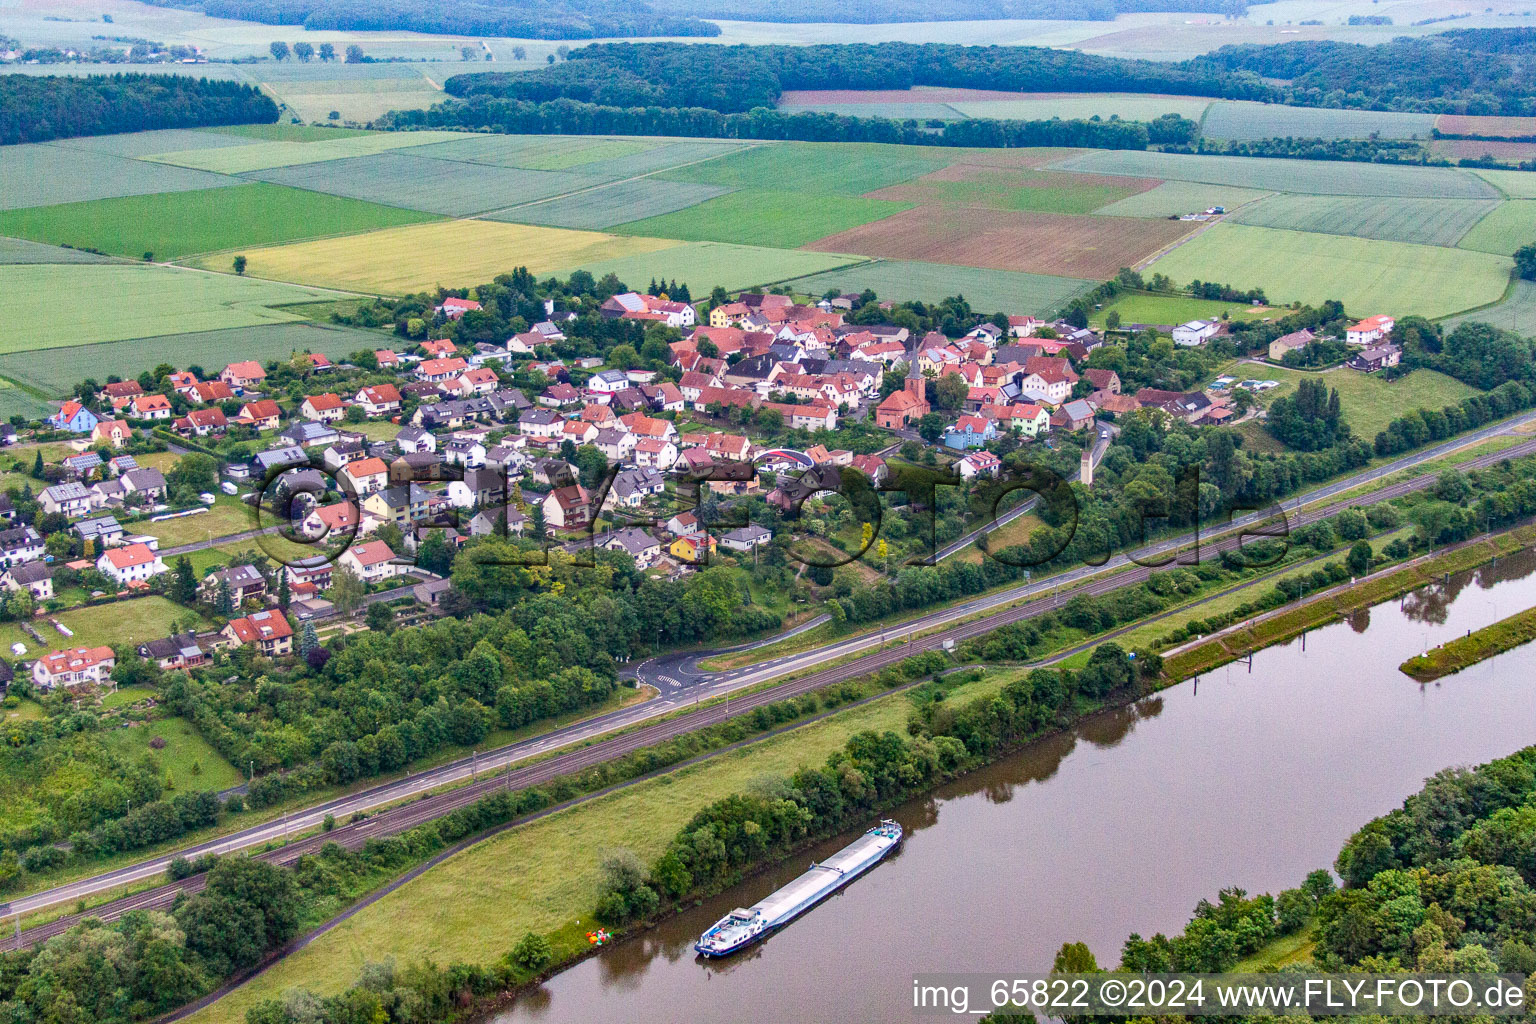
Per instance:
{"type": "Point", "coordinates": [130, 563]}
{"type": "Point", "coordinates": [74, 667]}
{"type": "Point", "coordinates": [1370, 330]}
{"type": "Point", "coordinates": [371, 561]}
{"type": "Point", "coordinates": [1195, 331]}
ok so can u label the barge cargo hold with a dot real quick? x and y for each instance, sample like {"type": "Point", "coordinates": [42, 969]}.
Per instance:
{"type": "Point", "coordinates": [740, 928]}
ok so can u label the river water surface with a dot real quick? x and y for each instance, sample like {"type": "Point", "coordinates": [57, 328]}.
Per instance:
{"type": "Point", "coordinates": [1251, 776]}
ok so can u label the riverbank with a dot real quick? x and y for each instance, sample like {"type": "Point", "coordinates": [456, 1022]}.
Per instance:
{"type": "Point", "coordinates": [1480, 645]}
{"type": "Point", "coordinates": [1241, 641]}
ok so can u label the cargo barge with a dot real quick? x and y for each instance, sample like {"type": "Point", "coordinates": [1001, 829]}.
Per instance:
{"type": "Point", "coordinates": [742, 927]}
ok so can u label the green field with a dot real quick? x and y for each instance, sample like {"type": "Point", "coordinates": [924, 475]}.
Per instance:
{"type": "Point", "coordinates": [1516, 312]}
{"type": "Point", "coordinates": [132, 301]}
{"type": "Point", "coordinates": [1006, 290]}
{"type": "Point", "coordinates": [276, 133]}
{"type": "Point", "coordinates": [262, 156]}
{"type": "Point", "coordinates": [1249, 121]}
{"type": "Point", "coordinates": [139, 144]}
{"type": "Point", "coordinates": [836, 168]}
{"type": "Point", "coordinates": [1422, 221]}
{"type": "Point", "coordinates": [187, 761]}
{"type": "Point", "coordinates": [671, 153]}
{"type": "Point", "coordinates": [56, 371]}
{"type": "Point", "coordinates": [749, 217]}
{"type": "Point", "coordinates": [1368, 402]}
{"type": "Point", "coordinates": [119, 622]}
{"type": "Point", "coordinates": [1144, 308]}
{"type": "Point", "coordinates": [45, 174]}
{"type": "Point", "coordinates": [610, 204]}
{"type": "Point", "coordinates": [417, 183]}
{"type": "Point", "coordinates": [1176, 198]}
{"type": "Point", "coordinates": [1506, 228]}
{"type": "Point", "coordinates": [1367, 275]}
{"type": "Point", "coordinates": [898, 111]}
{"type": "Point", "coordinates": [179, 224]}
{"type": "Point", "coordinates": [1317, 177]}
{"type": "Point", "coordinates": [702, 265]}
{"type": "Point", "coordinates": [537, 152]}
{"type": "Point", "coordinates": [1514, 184]}
{"type": "Point", "coordinates": [19, 250]}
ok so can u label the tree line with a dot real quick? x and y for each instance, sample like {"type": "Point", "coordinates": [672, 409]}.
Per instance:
{"type": "Point", "coordinates": [571, 117]}
{"type": "Point", "coordinates": [520, 19]}
{"type": "Point", "coordinates": [36, 109]}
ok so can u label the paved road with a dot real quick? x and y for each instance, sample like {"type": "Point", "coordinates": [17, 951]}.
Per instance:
{"type": "Point", "coordinates": [682, 684]}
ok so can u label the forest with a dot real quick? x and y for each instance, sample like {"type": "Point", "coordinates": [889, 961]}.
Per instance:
{"type": "Point", "coordinates": [525, 19]}
{"type": "Point", "coordinates": [1473, 71]}
{"type": "Point", "coordinates": [590, 19]}
{"type": "Point", "coordinates": [36, 109]}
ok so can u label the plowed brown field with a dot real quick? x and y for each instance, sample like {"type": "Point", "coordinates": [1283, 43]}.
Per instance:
{"type": "Point", "coordinates": [1037, 243]}
{"type": "Point", "coordinates": [1485, 125]}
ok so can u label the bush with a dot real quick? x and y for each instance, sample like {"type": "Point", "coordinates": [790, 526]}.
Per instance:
{"type": "Point", "coordinates": [532, 952]}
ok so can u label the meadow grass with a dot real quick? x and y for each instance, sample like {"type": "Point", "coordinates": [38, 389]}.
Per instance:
{"type": "Point", "coordinates": [1395, 219]}
{"type": "Point", "coordinates": [1367, 275]}
{"type": "Point", "coordinates": [123, 301]}
{"type": "Point", "coordinates": [608, 204]}
{"type": "Point", "coordinates": [187, 761]}
{"type": "Point", "coordinates": [45, 175]}
{"type": "Point", "coordinates": [134, 620]}
{"type": "Point", "coordinates": [1505, 228]}
{"type": "Point", "coordinates": [287, 153]}
{"type": "Point", "coordinates": [836, 168]}
{"type": "Point", "coordinates": [173, 225]}
{"type": "Point", "coordinates": [764, 218]}
{"type": "Point", "coordinates": [1148, 308]}
{"type": "Point", "coordinates": [1368, 402]}
{"type": "Point", "coordinates": [1176, 198]}
{"type": "Point", "coordinates": [1250, 121]}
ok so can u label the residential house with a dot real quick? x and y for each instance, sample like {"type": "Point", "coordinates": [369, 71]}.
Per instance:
{"type": "Point", "coordinates": [616, 445]}
{"type": "Point", "coordinates": [414, 439]}
{"type": "Point", "coordinates": [568, 508]}
{"type": "Point", "coordinates": [655, 453]}
{"type": "Point", "coordinates": [343, 452]}
{"type": "Point", "coordinates": [403, 505]}
{"type": "Point", "coordinates": [378, 399]}
{"type": "Point", "coordinates": [1074, 415]}
{"type": "Point", "coordinates": [1378, 357]}
{"type": "Point", "coordinates": [76, 666]}
{"type": "Point", "coordinates": [245, 582]}
{"type": "Point", "coordinates": [326, 408]}
{"type": "Point", "coordinates": [202, 422]}
{"type": "Point", "coordinates": [273, 459]}
{"type": "Point", "coordinates": [693, 547]}
{"type": "Point", "coordinates": [308, 434]}
{"type": "Point", "coordinates": [242, 375]}
{"type": "Point", "coordinates": [82, 465]}
{"type": "Point", "coordinates": [261, 415]}
{"type": "Point", "coordinates": [131, 563]}
{"type": "Point", "coordinates": [500, 522]}
{"type": "Point", "coordinates": [268, 631]}
{"type": "Point", "coordinates": [20, 544]}
{"type": "Point", "coordinates": [682, 524]}
{"type": "Point", "coordinates": [120, 390]}
{"type": "Point", "coordinates": [206, 392]}
{"type": "Point", "coordinates": [1370, 330]}
{"type": "Point", "coordinates": [71, 499]}
{"type": "Point", "coordinates": [732, 447]}
{"type": "Point", "coordinates": [36, 577]}
{"type": "Point", "coordinates": [75, 418]}
{"type": "Point", "coordinates": [970, 432]}
{"type": "Point", "coordinates": [1293, 342]}
{"type": "Point", "coordinates": [480, 380]}
{"type": "Point", "coordinates": [541, 423]}
{"type": "Point", "coordinates": [454, 307]}
{"type": "Point", "coordinates": [181, 651]}
{"type": "Point", "coordinates": [979, 464]}
{"type": "Point", "coordinates": [746, 539]}
{"type": "Point", "coordinates": [437, 370]}
{"type": "Point", "coordinates": [1195, 332]}
{"type": "Point", "coordinates": [111, 432]}
{"type": "Point", "coordinates": [640, 545]}
{"type": "Point", "coordinates": [631, 487]}
{"type": "Point", "coordinates": [365, 476]}
{"type": "Point", "coordinates": [372, 561]}
{"type": "Point", "coordinates": [464, 451]}
{"type": "Point", "coordinates": [146, 484]}
{"type": "Point", "coordinates": [103, 530]}
{"type": "Point", "coordinates": [1102, 380]}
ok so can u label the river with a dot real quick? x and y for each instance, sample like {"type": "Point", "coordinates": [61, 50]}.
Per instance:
{"type": "Point", "coordinates": [1250, 776]}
